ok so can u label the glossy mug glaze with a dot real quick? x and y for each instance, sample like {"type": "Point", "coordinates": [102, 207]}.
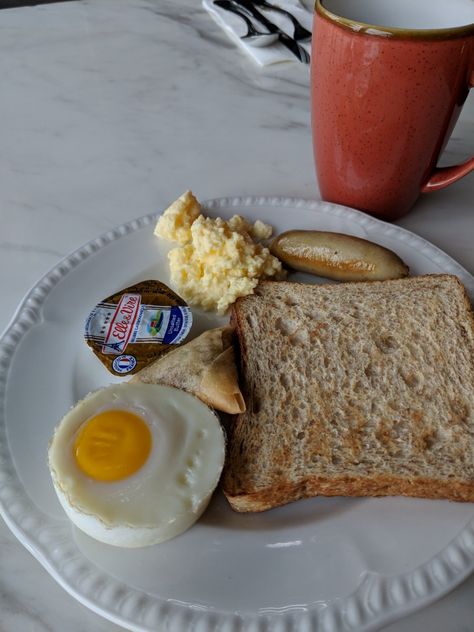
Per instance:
{"type": "Point", "coordinates": [388, 81]}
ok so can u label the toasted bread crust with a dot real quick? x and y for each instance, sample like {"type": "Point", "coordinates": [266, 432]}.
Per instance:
{"type": "Point", "coordinates": [381, 485]}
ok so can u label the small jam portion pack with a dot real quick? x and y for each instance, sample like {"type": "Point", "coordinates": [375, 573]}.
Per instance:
{"type": "Point", "coordinates": [133, 327]}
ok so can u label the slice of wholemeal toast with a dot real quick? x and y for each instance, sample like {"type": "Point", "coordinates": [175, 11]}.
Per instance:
{"type": "Point", "coordinates": [353, 389]}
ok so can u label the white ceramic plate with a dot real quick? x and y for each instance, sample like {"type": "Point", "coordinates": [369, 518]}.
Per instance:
{"type": "Point", "coordinates": [323, 564]}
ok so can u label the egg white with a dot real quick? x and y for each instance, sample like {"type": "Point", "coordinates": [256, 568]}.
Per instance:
{"type": "Point", "coordinates": [168, 493]}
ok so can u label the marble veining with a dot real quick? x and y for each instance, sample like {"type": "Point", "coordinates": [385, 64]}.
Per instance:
{"type": "Point", "coordinates": [109, 109]}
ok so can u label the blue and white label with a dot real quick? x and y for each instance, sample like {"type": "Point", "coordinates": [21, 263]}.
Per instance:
{"type": "Point", "coordinates": [168, 325]}
{"type": "Point", "coordinates": [124, 363]}
{"type": "Point", "coordinates": [146, 323]}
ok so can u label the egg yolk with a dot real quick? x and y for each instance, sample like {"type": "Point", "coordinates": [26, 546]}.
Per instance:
{"type": "Point", "coordinates": [112, 445]}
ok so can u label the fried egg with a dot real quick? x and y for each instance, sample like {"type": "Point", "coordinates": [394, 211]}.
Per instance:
{"type": "Point", "coordinates": [136, 464]}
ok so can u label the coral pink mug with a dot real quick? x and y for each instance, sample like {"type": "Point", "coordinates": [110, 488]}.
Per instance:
{"type": "Point", "coordinates": [388, 81]}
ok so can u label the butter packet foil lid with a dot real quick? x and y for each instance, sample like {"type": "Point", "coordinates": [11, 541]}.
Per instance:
{"type": "Point", "coordinates": [135, 326]}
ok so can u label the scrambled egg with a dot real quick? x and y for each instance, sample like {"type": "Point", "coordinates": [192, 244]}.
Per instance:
{"type": "Point", "coordinates": [218, 260]}
{"type": "Point", "coordinates": [175, 223]}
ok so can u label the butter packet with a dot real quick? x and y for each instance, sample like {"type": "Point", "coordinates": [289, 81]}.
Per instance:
{"type": "Point", "coordinates": [133, 327]}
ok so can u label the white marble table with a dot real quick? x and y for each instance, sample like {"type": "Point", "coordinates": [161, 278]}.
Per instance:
{"type": "Point", "coordinates": [109, 109]}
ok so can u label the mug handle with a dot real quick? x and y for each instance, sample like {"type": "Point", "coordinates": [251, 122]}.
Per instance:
{"type": "Point", "coordinates": [444, 176]}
